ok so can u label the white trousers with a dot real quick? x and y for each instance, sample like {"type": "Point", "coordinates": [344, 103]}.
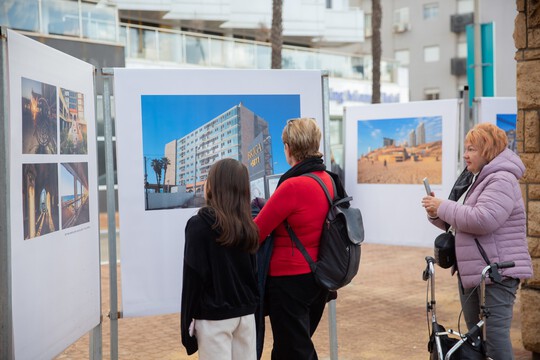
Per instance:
{"type": "Point", "coordinates": [230, 339]}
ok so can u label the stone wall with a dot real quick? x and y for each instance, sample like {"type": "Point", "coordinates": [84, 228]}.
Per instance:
{"type": "Point", "coordinates": [527, 41]}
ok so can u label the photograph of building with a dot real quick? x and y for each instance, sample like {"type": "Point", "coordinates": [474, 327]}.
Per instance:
{"type": "Point", "coordinates": [229, 135]}
{"type": "Point", "coordinates": [39, 124]}
{"type": "Point", "coordinates": [74, 194]}
{"type": "Point", "coordinates": [73, 127]}
{"type": "Point", "coordinates": [176, 169]}
{"type": "Point", "coordinates": [400, 151]}
{"type": "Point", "coordinates": [40, 199]}
{"type": "Point", "coordinates": [507, 122]}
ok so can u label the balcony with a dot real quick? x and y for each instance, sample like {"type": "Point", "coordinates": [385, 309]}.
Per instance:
{"type": "Point", "coordinates": [166, 47]}
{"type": "Point", "coordinates": [459, 22]}
{"type": "Point", "coordinates": [64, 18]}
{"type": "Point", "coordinates": [162, 47]}
{"type": "Point", "coordinates": [458, 66]}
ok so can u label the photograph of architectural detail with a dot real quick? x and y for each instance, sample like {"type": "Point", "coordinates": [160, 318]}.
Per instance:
{"type": "Point", "coordinates": [400, 151]}
{"type": "Point", "coordinates": [40, 199]}
{"type": "Point", "coordinates": [74, 194]}
{"type": "Point", "coordinates": [271, 184]}
{"type": "Point", "coordinates": [507, 122]}
{"type": "Point", "coordinates": [73, 126]}
{"type": "Point", "coordinates": [39, 123]}
{"type": "Point", "coordinates": [184, 135]}
{"type": "Point", "coordinates": [257, 188]}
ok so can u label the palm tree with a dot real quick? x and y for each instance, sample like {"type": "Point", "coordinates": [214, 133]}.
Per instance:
{"type": "Point", "coordinates": [376, 50]}
{"type": "Point", "coordinates": [276, 33]}
{"type": "Point", "coordinates": [165, 163]}
{"type": "Point", "coordinates": [157, 165]}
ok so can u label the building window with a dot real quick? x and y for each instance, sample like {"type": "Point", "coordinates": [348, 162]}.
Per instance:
{"type": "Point", "coordinates": [431, 94]}
{"type": "Point", "coordinates": [462, 50]}
{"type": "Point", "coordinates": [465, 6]}
{"type": "Point", "coordinates": [403, 56]}
{"type": "Point", "coordinates": [401, 20]}
{"type": "Point", "coordinates": [431, 11]}
{"type": "Point", "coordinates": [336, 132]}
{"type": "Point", "coordinates": [368, 31]}
{"type": "Point", "coordinates": [431, 53]}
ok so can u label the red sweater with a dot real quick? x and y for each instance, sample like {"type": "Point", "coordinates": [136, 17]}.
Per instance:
{"type": "Point", "coordinates": [301, 201]}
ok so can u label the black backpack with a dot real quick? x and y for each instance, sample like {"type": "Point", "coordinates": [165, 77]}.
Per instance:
{"type": "Point", "coordinates": [339, 249]}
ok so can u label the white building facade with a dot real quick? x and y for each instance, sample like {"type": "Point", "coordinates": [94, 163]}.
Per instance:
{"type": "Point", "coordinates": [428, 38]}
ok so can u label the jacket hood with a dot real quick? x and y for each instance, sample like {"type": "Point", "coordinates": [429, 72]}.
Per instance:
{"type": "Point", "coordinates": [208, 215]}
{"type": "Point", "coordinates": [507, 161]}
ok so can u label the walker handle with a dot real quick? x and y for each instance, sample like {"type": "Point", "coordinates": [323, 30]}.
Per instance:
{"type": "Point", "coordinates": [426, 274]}
{"type": "Point", "coordinates": [505, 264]}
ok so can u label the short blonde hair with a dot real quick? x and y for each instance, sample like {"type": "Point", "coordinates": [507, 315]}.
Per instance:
{"type": "Point", "coordinates": [303, 136]}
{"type": "Point", "coordinates": [488, 138]}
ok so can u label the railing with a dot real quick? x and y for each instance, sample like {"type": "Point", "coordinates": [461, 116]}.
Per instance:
{"type": "Point", "coordinates": [180, 47]}
{"type": "Point", "coordinates": [59, 17]}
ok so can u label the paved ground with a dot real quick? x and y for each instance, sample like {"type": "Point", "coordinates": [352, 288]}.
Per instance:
{"type": "Point", "coordinates": [380, 315]}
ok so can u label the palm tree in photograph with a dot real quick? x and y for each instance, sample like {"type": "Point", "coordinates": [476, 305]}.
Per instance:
{"type": "Point", "coordinates": [376, 50]}
{"type": "Point", "coordinates": [157, 166]}
{"type": "Point", "coordinates": [276, 33]}
{"type": "Point", "coordinates": [165, 162]}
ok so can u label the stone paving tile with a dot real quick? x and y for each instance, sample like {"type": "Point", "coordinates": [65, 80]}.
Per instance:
{"type": "Point", "coordinates": [380, 315]}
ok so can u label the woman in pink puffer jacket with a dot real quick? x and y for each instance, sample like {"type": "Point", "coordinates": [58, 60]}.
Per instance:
{"type": "Point", "coordinates": [489, 223]}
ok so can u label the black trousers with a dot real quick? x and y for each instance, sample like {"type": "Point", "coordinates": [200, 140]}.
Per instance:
{"type": "Point", "coordinates": [295, 305]}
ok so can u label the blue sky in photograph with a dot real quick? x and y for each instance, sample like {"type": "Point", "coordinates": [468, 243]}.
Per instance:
{"type": "Point", "coordinates": [28, 85]}
{"type": "Point", "coordinates": [372, 132]}
{"type": "Point", "coordinates": [169, 117]}
{"type": "Point", "coordinates": [506, 122]}
{"type": "Point", "coordinates": [66, 182]}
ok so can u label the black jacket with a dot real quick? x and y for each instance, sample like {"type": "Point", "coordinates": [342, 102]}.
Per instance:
{"type": "Point", "coordinates": [218, 283]}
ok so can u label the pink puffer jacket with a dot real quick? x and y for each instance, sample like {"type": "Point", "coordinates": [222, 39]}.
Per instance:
{"type": "Point", "coordinates": [493, 218]}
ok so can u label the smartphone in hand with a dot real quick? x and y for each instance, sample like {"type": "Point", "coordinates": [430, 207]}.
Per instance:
{"type": "Point", "coordinates": [426, 185]}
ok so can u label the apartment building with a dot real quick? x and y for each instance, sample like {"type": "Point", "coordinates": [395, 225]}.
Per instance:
{"type": "Point", "coordinates": [429, 38]}
{"type": "Point", "coordinates": [237, 133]}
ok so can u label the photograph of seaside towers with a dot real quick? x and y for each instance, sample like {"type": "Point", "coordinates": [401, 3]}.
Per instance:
{"type": "Point", "coordinates": [400, 151]}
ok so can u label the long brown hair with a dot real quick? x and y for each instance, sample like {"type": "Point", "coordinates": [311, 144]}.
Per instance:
{"type": "Point", "coordinates": [227, 193]}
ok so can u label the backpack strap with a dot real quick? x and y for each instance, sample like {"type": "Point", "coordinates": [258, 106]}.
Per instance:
{"type": "Point", "coordinates": [299, 245]}
{"type": "Point", "coordinates": [293, 236]}
{"type": "Point", "coordinates": [325, 189]}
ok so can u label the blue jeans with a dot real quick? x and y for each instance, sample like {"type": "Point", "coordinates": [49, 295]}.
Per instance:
{"type": "Point", "coordinates": [500, 303]}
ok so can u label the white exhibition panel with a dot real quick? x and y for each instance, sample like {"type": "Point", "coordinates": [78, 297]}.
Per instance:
{"type": "Point", "coordinates": [55, 268]}
{"type": "Point", "coordinates": [489, 107]}
{"type": "Point", "coordinates": [392, 213]}
{"type": "Point", "coordinates": [152, 242]}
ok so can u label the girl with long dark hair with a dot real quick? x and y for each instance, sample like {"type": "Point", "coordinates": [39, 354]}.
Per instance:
{"type": "Point", "coordinates": [219, 293]}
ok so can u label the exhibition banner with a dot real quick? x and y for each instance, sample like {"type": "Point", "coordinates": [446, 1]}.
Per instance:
{"type": "Point", "coordinates": [390, 149]}
{"type": "Point", "coordinates": [55, 274]}
{"type": "Point", "coordinates": [171, 126]}
{"type": "Point", "coordinates": [501, 111]}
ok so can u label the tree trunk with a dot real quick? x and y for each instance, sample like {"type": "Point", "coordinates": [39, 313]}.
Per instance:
{"type": "Point", "coordinates": [276, 34]}
{"type": "Point", "coordinates": [376, 50]}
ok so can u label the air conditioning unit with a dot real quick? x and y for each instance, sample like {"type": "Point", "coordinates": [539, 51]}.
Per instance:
{"type": "Point", "coordinates": [458, 66]}
{"type": "Point", "coordinates": [401, 27]}
{"type": "Point", "coordinates": [458, 22]}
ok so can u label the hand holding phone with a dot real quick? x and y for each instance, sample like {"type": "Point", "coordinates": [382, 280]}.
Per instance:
{"type": "Point", "coordinates": [426, 185]}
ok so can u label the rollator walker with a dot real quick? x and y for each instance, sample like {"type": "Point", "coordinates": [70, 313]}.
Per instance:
{"type": "Point", "coordinates": [470, 345]}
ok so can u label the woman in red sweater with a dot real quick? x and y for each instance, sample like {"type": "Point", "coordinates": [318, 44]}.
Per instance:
{"type": "Point", "coordinates": [294, 301]}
